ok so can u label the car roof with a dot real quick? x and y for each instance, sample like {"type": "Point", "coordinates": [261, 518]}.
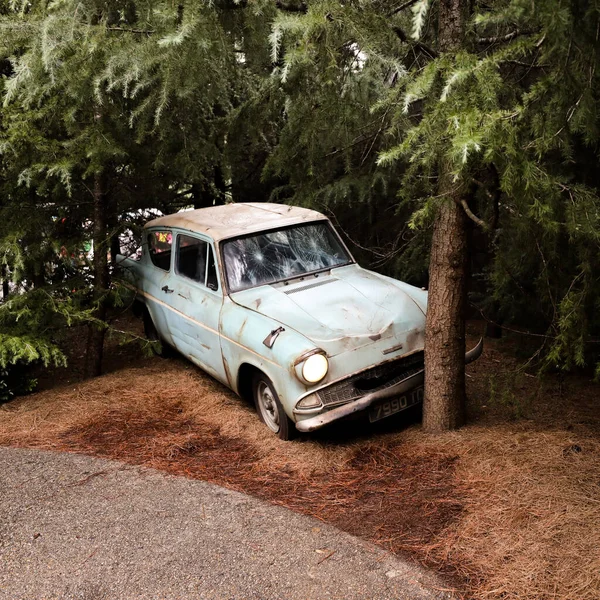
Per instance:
{"type": "Point", "coordinates": [231, 220]}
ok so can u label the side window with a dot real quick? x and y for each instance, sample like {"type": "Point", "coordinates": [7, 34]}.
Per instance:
{"type": "Point", "coordinates": [191, 257]}
{"type": "Point", "coordinates": [195, 259]}
{"type": "Point", "coordinates": [212, 281]}
{"type": "Point", "coordinates": [159, 247]}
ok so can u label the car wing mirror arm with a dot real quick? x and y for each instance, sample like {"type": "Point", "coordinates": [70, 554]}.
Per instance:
{"type": "Point", "coordinates": [270, 339]}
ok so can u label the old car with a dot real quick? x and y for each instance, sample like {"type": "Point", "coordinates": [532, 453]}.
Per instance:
{"type": "Point", "coordinates": [268, 300]}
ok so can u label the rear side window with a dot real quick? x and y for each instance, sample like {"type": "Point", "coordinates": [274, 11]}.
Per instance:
{"type": "Point", "coordinates": [159, 247]}
{"type": "Point", "coordinates": [195, 260]}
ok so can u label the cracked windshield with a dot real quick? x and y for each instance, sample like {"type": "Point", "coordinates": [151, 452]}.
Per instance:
{"type": "Point", "coordinates": [278, 255]}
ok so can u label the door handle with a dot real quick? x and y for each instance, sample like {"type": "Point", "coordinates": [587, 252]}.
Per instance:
{"type": "Point", "coordinates": [166, 289]}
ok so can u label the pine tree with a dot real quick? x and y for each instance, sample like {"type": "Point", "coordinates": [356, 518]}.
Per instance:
{"type": "Point", "coordinates": [483, 115]}
{"type": "Point", "coordinates": [445, 327]}
{"type": "Point", "coordinates": [109, 108]}
{"type": "Point", "coordinates": [405, 123]}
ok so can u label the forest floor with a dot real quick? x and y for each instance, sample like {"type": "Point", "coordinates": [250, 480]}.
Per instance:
{"type": "Point", "coordinates": [506, 507]}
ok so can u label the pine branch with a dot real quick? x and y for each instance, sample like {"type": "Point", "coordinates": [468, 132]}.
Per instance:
{"type": "Point", "coordinates": [520, 63]}
{"type": "Point", "coordinates": [414, 43]}
{"type": "Point", "coordinates": [129, 30]}
{"type": "Point", "coordinates": [504, 38]}
{"type": "Point", "coordinates": [402, 6]}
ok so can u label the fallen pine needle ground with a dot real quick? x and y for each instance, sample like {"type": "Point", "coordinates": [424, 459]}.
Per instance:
{"type": "Point", "coordinates": [503, 508]}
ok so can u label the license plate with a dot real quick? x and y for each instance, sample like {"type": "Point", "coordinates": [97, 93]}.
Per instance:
{"type": "Point", "coordinates": [395, 405]}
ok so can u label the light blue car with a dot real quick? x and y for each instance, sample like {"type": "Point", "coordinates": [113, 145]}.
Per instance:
{"type": "Point", "coordinates": [269, 301]}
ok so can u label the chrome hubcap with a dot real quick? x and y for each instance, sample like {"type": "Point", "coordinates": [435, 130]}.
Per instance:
{"type": "Point", "coordinates": [268, 407]}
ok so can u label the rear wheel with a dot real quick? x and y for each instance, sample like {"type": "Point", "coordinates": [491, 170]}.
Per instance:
{"type": "Point", "coordinates": [269, 408]}
{"type": "Point", "coordinates": [165, 351]}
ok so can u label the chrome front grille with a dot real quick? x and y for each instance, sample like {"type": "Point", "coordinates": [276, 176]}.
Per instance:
{"type": "Point", "coordinates": [372, 380]}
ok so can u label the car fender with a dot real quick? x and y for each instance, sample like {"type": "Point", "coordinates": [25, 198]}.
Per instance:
{"type": "Point", "coordinates": [243, 336]}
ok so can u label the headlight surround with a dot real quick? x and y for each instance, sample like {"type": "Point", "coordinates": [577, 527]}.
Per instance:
{"type": "Point", "coordinates": [313, 368]}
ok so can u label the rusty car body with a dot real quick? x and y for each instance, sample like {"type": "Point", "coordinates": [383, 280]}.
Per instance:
{"type": "Point", "coordinates": [268, 300]}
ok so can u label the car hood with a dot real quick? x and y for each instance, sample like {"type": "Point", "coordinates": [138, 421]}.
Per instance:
{"type": "Point", "coordinates": [346, 309]}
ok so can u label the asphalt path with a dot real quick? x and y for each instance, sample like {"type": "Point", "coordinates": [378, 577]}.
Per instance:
{"type": "Point", "coordinates": [77, 527]}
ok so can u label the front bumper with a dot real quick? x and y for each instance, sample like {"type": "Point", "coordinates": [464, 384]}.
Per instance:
{"type": "Point", "coordinates": [363, 403]}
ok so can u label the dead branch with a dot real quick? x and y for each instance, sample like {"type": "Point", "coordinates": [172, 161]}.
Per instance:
{"type": "Point", "coordinates": [504, 38]}
{"type": "Point", "coordinates": [472, 215]}
{"type": "Point", "coordinates": [520, 63]}
{"type": "Point", "coordinates": [494, 197]}
{"type": "Point", "coordinates": [414, 43]}
{"type": "Point", "coordinates": [130, 30]}
{"type": "Point", "coordinates": [327, 556]}
{"type": "Point", "coordinates": [511, 329]}
{"type": "Point", "coordinates": [402, 6]}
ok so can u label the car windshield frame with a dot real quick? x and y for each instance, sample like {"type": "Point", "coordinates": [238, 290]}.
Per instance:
{"type": "Point", "coordinates": [325, 222]}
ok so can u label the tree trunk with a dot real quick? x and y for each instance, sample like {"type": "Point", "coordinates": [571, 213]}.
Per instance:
{"type": "Point", "coordinates": [112, 226]}
{"type": "Point", "coordinates": [205, 196]}
{"type": "Point", "coordinates": [444, 405]}
{"type": "Point", "coordinates": [38, 279]}
{"type": "Point", "coordinates": [452, 20]}
{"type": "Point", "coordinates": [95, 341]}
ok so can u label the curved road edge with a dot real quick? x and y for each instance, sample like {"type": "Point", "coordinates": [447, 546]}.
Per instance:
{"type": "Point", "coordinates": [78, 527]}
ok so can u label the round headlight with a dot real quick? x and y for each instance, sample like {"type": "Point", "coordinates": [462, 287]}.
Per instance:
{"type": "Point", "coordinates": [315, 367]}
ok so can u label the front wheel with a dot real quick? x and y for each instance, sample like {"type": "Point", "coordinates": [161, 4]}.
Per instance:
{"type": "Point", "coordinates": [269, 408]}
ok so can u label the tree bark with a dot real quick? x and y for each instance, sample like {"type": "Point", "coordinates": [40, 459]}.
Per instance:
{"type": "Point", "coordinates": [96, 333]}
{"type": "Point", "coordinates": [112, 223]}
{"type": "Point", "coordinates": [444, 405]}
{"type": "Point", "coordinates": [452, 21]}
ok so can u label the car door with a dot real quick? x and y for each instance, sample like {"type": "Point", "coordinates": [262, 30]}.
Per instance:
{"type": "Point", "coordinates": [156, 273]}
{"type": "Point", "coordinates": [195, 294]}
